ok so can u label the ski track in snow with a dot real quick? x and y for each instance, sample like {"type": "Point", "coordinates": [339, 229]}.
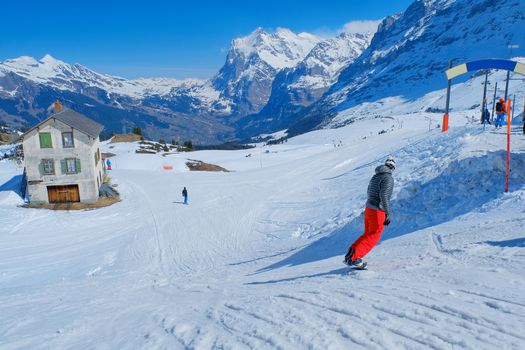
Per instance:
{"type": "Point", "coordinates": [254, 260]}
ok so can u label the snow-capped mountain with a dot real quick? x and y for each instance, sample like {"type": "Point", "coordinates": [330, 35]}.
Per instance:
{"type": "Point", "coordinates": [321, 67]}
{"type": "Point", "coordinates": [410, 52]}
{"type": "Point", "coordinates": [59, 75]}
{"type": "Point", "coordinates": [299, 86]}
{"type": "Point", "coordinates": [74, 77]}
{"type": "Point", "coordinates": [273, 81]}
{"type": "Point", "coordinates": [161, 106]}
{"type": "Point", "coordinates": [254, 61]}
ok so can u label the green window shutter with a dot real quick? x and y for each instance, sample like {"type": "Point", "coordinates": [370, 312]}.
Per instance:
{"type": "Point", "coordinates": [41, 168]}
{"type": "Point", "coordinates": [45, 140]}
{"type": "Point", "coordinates": [78, 165]}
{"type": "Point", "coordinates": [63, 165]}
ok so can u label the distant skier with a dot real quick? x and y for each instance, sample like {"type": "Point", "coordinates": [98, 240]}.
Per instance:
{"type": "Point", "coordinates": [486, 115]}
{"type": "Point", "coordinates": [377, 214]}
{"type": "Point", "coordinates": [185, 195]}
{"type": "Point", "coordinates": [500, 113]}
{"type": "Point", "coordinates": [108, 164]}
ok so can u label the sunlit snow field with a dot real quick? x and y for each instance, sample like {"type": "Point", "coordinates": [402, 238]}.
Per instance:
{"type": "Point", "coordinates": [254, 260]}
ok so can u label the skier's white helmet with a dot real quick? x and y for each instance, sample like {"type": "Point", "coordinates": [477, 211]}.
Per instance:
{"type": "Point", "coordinates": [390, 162]}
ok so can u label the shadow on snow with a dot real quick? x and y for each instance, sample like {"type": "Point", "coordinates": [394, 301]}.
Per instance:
{"type": "Point", "coordinates": [13, 185]}
{"type": "Point", "coordinates": [341, 272]}
{"type": "Point", "coordinates": [518, 242]}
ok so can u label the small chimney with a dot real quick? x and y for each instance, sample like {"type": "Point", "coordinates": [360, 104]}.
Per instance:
{"type": "Point", "coordinates": [58, 107]}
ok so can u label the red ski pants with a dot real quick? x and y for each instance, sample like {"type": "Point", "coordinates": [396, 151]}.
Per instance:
{"type": "Point", "coordinates": [374, 224]}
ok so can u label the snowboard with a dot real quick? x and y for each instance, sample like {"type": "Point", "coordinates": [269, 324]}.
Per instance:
{"type": "Point", "coordinates": [352, 267]}
{"type": "Point", "coordinates": [364, 267]}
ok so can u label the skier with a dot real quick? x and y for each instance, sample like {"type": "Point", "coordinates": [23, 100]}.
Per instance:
{"type": "Point", "coordinates": [108, 163]}
{"type": "Point", "coordinates": [486, 115]}
{"type": "Point", "coordinates": [377, 214]}
{"type": "Point", "coordinates": [185, 195]}
{"type": "Point", "coordinates": [500, 112]}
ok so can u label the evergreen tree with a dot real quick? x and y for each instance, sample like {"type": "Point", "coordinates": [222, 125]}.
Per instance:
{"type": "Point", "coordinates": [188, 145]}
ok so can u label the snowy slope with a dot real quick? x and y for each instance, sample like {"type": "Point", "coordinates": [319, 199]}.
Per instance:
{"type": "Point", "coordinates": [255, 260]}
{"type": "Point", "coordinates": [410, 52]}
{"type": "Point", "coordinates": [464, 95]}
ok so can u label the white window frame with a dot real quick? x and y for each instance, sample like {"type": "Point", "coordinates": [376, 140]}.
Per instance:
{"type": "Point", "coordinates": [64, 140]}
{"type": "Point", "coordinates": [49, 161]}
{"type": "Point", "coordinates": [68, 169]}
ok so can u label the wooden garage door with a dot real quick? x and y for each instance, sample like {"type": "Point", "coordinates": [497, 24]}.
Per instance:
{"type": "Point", "coordinates": [63, 194]}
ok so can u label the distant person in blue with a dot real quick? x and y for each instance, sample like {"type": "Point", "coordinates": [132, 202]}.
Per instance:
{"type": "Point", "coordinates": [500, 113]}
{"type": "Point", "coordinates": [185, 195]}
{"type": "Point", "coordinates": [486, 115]}
{"type": "Point", "coordinates": [108, 164]}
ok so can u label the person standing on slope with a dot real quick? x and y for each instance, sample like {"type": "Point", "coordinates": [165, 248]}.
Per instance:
{"type": "Point", "coordinates": [185, 195]}
{"type": "Point", "coordinates": [486, 116]}
{"type": "Point", "coordinates": [377, 214]}
{"type": "Point", "coordinates": [500, 113]}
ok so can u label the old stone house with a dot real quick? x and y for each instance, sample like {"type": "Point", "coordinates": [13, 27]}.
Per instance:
{"type": "Point", "coordinates": [62, 159]}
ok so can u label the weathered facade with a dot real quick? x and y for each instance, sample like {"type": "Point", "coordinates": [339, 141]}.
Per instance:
{"type": "Point", "coordinates": [62, 159]}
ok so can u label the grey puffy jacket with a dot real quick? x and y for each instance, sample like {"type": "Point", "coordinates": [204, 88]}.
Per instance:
{"type": "Point", "coordinates": [380, 189]}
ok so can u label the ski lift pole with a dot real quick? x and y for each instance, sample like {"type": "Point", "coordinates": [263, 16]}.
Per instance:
{"type": "Point", "coordinates": [507, 171]}
{"type": "Point", "coordinates": [484, 100]}
{"type": "Point", "coordinates": [494, 102]}
{"type": "Point", "coordinates": [523, 116]}
{"type": "Point", "coordinates": [507, 85]}
{"type": "Point", "coordinates": [513, 101]}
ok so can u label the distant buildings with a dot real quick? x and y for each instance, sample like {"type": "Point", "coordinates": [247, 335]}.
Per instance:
{"type": "Point", "coordinates": [62, 159]}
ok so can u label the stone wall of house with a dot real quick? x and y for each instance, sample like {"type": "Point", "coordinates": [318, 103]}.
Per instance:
{"type": "Point", "coordinates": [84, 149]}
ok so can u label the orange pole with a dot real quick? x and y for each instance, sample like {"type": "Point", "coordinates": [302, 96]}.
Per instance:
{"type": "Point", "coordinates": [445, 123]}
{"type": "Point", "coordinates": [509, 119]}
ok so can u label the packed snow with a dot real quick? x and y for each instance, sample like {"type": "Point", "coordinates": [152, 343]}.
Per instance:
{"type": "Point", "coordinates": [255, 260]}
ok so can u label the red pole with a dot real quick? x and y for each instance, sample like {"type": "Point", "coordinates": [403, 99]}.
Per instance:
{"type": "Point", "coordinates": [509, 118]}
{"type": "Point", "coordinates": [444, 127]}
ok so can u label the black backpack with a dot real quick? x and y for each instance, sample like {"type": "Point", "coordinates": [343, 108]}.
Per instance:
{"type": "Point", "coordinates": [499, 107]}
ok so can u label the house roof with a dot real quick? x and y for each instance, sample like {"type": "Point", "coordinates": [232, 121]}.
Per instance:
{"type": "Point", "coordinates": [76, 121]}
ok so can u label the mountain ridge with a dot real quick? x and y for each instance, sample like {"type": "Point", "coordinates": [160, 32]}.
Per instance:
{"type": "Point", "coordinates": [241, 87]}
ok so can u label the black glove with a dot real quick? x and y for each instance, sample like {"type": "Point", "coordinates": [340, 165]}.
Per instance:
{"type": "Point", "coordinates": [387, 221]}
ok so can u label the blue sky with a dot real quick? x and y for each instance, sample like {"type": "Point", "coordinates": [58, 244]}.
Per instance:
{"type": "Point", "coordinates": [163, 38]}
